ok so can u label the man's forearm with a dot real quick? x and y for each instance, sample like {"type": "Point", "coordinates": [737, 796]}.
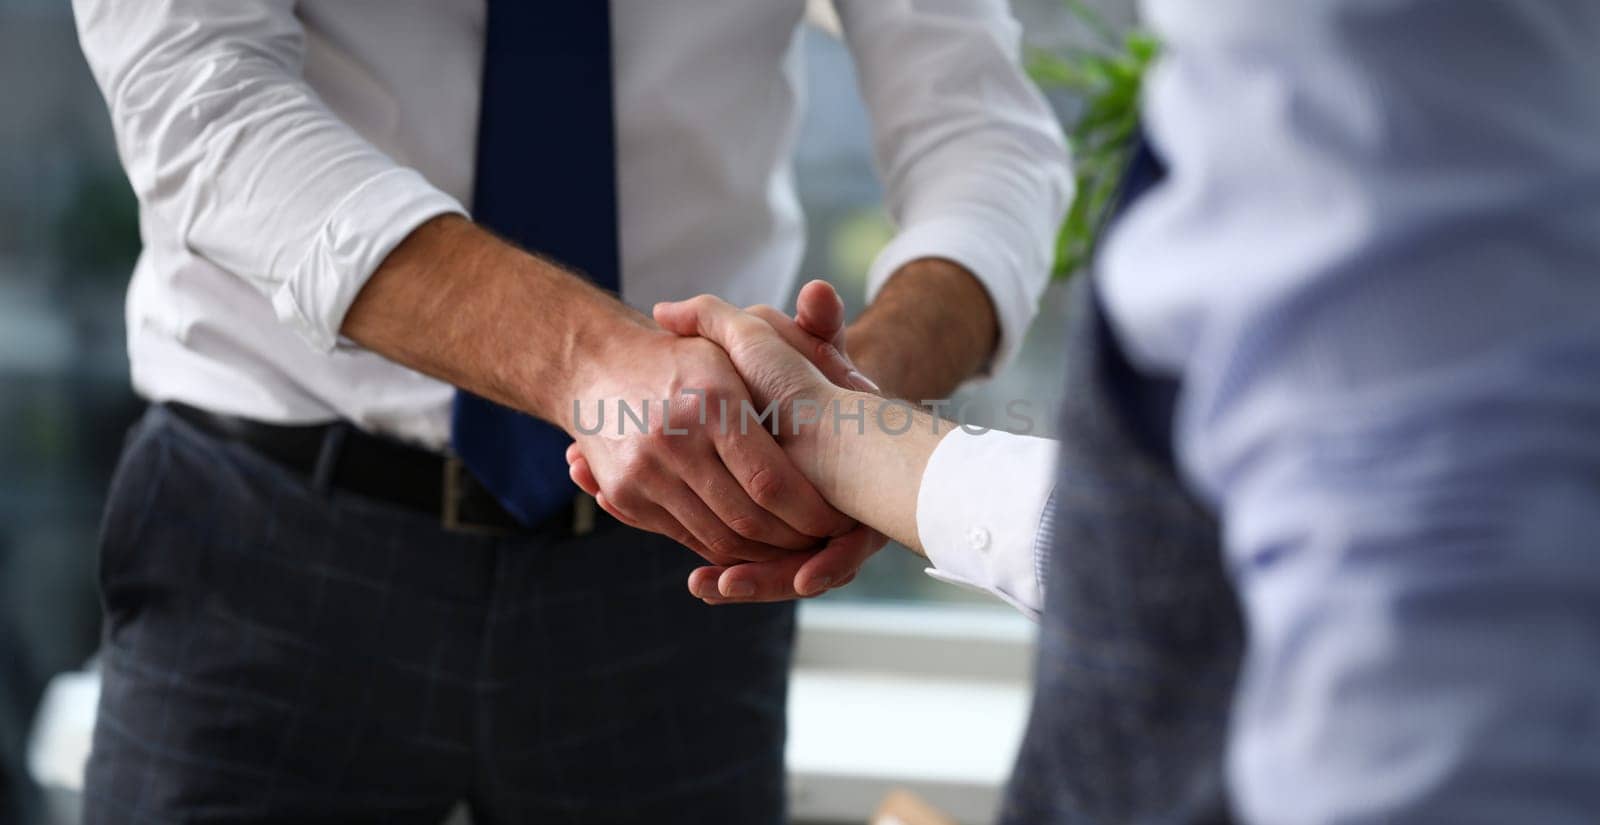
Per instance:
{"type": "Point", "coordinates": [931, 327]}
{"type": "Point", "coordinates": [457, 303]}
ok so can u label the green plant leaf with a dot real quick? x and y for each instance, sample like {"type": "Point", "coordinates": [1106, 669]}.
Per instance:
{"type": "Point", "coordinates": [1108, 76]}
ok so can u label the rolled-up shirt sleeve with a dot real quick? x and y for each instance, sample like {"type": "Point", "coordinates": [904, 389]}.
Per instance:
{"type": "Point", "coordinates": [983, 514]}
{"type": "Point", "coordinates": [973, 159]}
{"type": "Point", "coordinates": [222, 139]}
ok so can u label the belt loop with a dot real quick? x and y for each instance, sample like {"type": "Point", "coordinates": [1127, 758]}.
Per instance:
{"type": "Point", "coordinates": [328, 457]}
{"type": "Point", "coordinates": [450, 506]}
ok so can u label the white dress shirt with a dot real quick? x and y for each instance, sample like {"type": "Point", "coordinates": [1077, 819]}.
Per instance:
{"type": "Point", "coordinates": [984, 513]}
{"type": "Point", "coordinates": [280, 149]}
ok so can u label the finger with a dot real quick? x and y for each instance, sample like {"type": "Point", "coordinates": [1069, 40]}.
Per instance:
{"type": "Point", "coordinates": [688, 509]}
{"type": "Point", "coordinates": [583, 476]}
{"type": "Point", "coordinates": [835, 366]}
{"type": "Point", "coordinates": [709, 317]}
{"type": "Point", "coordinates": [772, 481]}
{"type": "Point", "coordinates": [828, 356]}
{"type": "Point", "coordinates": [676, 317]}
{"type": "Point", "coordinates": [604, 503]}
{"type": "Point", "coordinates": [703, 582]}
{"type": "Point", "coordinates": [800, 577]}
{"type": "Point", "coordinates": [686, 317]}
{"type": "Point", "coordinates": [771, 581]}
{"type": "Point", "coordinates": [820, 311]}
{"type": "Point", "coordinates": [836, 565]}
{"type": "Point", "coordinates": [652, 518]}
{"type": "Point", "coordinates": [733, 507]}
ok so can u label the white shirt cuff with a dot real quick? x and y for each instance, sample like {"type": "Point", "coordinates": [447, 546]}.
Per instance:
{"type": "Point", "coordinates": [359, 234]}
{"type": "Point", "coordinates": [980, 508]}
{"type": "Point", "coordinates": [994, 249]}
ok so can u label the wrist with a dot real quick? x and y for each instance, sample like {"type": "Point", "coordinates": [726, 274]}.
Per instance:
{"type": "Point", "coordinates": [863, 466]}
{"type": "Point", "coordinates": [931, 327]}
{"type": "Point", "coordinates": [871, 346]}
{"type": "Point", "coordinates": [808, 443]}
{"type": "Point", "coordinates": [598, 331]}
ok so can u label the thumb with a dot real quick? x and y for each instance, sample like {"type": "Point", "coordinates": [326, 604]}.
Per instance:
{"type": "Point", "coordinates": [820, 311]}
{"type": "Point", "coordinates": [677, 317]}
{"type": "Point", "coordinates": [711, 318]}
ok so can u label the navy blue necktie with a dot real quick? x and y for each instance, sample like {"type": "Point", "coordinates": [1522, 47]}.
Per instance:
{"type": "Point", "coordinates": [546, 180]}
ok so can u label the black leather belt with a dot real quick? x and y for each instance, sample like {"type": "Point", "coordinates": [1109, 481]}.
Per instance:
{"type": "Point", "coordinates": [339, 456]}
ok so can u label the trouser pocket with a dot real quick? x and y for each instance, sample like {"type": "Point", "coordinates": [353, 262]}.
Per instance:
{"type": "Point", "coordinates": [136, 487]}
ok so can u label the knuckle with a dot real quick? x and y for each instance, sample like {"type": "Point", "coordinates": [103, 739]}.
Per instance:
{"type": "Point", "coordinates": [627, 499]}
{"type": "Point", "coordinates": [768, 320]}
{"type": "Point", "coordinates": [707, 301]}
{"type": "Point", "coordinates": [766, 487]}
{"type": "Point", "coordinates": [749, 525]}
{"type": "Point", "coordinates": [724, 544]}
{"type": "Point", "coordinates": [685, 538]}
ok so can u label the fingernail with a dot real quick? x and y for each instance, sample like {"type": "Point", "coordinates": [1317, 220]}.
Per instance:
{"type": "Point", "coordinates": [821, 584]}
{"type": "Point", "coordinates": [741, 590]}
{"type": "Point", "coordinates": [863, 383]}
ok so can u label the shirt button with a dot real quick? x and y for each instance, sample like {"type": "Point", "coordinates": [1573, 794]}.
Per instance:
{"type": "Point", "coordinates": [978, 539]}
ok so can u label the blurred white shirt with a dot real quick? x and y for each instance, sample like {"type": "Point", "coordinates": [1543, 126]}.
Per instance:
{"type": "Point", "coordinates": [1373, 268]}
{"type": "Point", "coordinates": [281, 149]}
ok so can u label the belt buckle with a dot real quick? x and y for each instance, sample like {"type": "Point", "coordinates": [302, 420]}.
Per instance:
{"type": "Point", "coordinates": [583, 511]}
{"type": "Point", "coordinates": [454, 490]}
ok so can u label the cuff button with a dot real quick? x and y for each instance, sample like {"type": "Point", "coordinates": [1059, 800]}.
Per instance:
{"type": "Point", "coordinates": [978, 539]}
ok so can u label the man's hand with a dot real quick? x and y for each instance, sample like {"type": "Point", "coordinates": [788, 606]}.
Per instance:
{"type": "Point", "coordinates": [457, 303]}
{"type": "Point", "coordinates": [691, 474]}
{"type": "Point", "coordinates": [782, 363]}
{"type": "Point", "coordinates": [817, 329]}
{"type": "Point", "coordinates": [932, 326]}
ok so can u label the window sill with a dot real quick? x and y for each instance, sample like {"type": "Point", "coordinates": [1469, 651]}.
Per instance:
{"type": "Point", "coordinates": [930, 698]}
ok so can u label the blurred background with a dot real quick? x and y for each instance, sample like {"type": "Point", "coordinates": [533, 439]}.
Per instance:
{"type": "Point", "coordinates": [68, 238]}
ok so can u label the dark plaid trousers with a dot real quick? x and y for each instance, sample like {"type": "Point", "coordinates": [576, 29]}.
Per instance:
{"type": "Point", "coordinates": [278, 654]}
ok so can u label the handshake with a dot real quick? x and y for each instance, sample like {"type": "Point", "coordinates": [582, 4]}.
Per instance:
{"type": "Point", "coordinates": [713, 434]}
